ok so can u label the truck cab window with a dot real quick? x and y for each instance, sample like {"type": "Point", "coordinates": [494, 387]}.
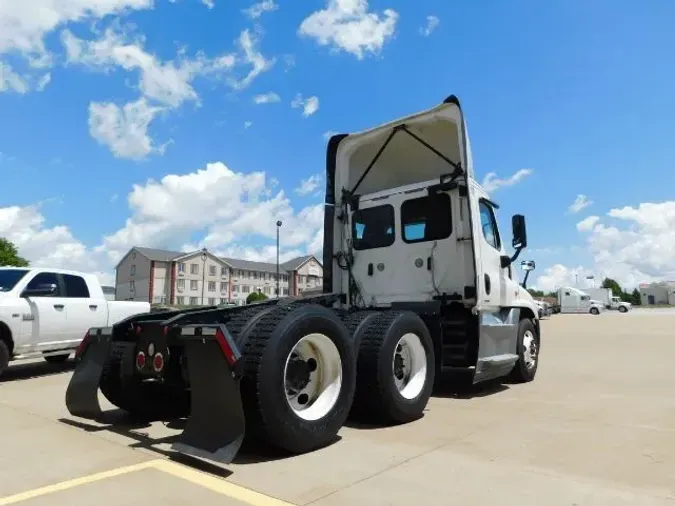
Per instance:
{"type": "Point", "coordinates": [76, 287]}
{"type": "Point", "coordinates": [46, 278]}
{"type": "Point", "coordinates": [489, 224]}
{"type": "Point", "coordinates": [373, 227]}
{"type": "Point", "coordinates": [426, 218]}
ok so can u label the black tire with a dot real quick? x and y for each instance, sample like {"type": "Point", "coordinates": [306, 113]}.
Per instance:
{"type": "Point", "coordinates": [623, 309]}
{"type": "Point", "coordinates": [357, 324]}
{"type": "Point", "coordinates": [377, 398]}
{"type": "Point", "coordinates": [520, 372]}
{"type": "Point", "coordinates": [541, 313]}
{"type": "Point", "coordinates": [5, 355]}
{"type": "Point", "coordinates": [595, 311]}
{"type": "Point", "coordinates": [267, 344]}
{"type": "Point", "coordinates": [57, 359]}
{"type": "Point", "coordinates": [152, 401]}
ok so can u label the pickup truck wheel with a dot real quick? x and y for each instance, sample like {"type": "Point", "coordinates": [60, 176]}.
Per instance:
{"type": "Point", "coordinates": [528, 342]}
{"type": "Point", "coordinates": [57, 359]}
{"type": "Point", "coordinates": [299, 377]}
{"type": "Point", "coordinates": [396, 369]}
{"type": "Point", "coordinates": [4, 356]}
{"type": "Point", "coordinates": [623, 309]}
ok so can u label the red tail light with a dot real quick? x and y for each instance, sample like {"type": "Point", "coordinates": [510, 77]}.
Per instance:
{"type": "Point", "coordinates": [83, 345]}
{"type": "Point", "coordinates": [140, 360]}
{"type": "Point", "coordinates": [158, 362]}
{"type": "Point", "coordinates": [225, 347]}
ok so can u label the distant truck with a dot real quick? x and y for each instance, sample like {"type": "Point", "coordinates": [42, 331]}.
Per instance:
{"type": "Point", "coordinates": [608, 299]}
{"type": "Point", "coordinates": [46, 312]}
{"type": "Point", "coordinates": [573, 300]}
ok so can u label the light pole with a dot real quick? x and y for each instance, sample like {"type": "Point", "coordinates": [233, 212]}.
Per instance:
{"type": "Point", "coordinates": [204, 257]}
{"type": "Point", "coordinates": [278, 290]}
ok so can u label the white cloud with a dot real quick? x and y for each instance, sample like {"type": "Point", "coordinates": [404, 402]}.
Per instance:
{"type": "Point", "coordinates": [630, 244]}
{"type": "Point", "coordinates": [587, 223]}
{"type": "Point", "coordinates": [432, 24]}
{"type": "Point", "coordinates": [124, 130]}
{"type": "Point", "coordinates": [248, 124]}
{"type": "Point", "coordinates": [267, 98]}
{"type": "Point", "coordinates": [309, 105]}
{"type": "Point", "coordinates": [24, 27]}
{"type": "Point", "coordinates": [491, 182]}
{"type": "Point", "coordinates": [258, 9]}
{"type": "Point", "coordinates": [209, 3]}
{"type": "Point", "coordinates": [253, 57]}
{"type": "Point", "coordinates": [347, 25]}
{"type": "Point", "coordinates": [309, 185]}
{"type": "Point", "coordinates": [581, 202]}
{"type": "Point", "coordinates": [559, 275]}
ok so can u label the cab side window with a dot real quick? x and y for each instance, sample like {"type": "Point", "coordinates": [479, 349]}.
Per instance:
{"type": "Point", "coordinates": [488, 223]}
{"type": "Point", "coordinates": [76, 287]}
{"type": "Point", "coordinates": [426, 218]}
{"type": "Point", "coordinates": [373, 227]}
{"type": "Point", "coordinates": [46, 278]}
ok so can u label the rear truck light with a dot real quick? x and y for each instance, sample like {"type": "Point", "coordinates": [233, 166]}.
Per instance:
{"type": "Point", "coordinates": [221, 335]}
{"type": "Point", "coordinates": [83, 345]}
{"type": "Point", "coordinates": [89, 337]}
{"type": "Point", "coordinates": [158, 362]}
{"type": "Point", "coordinates": [140, 360]}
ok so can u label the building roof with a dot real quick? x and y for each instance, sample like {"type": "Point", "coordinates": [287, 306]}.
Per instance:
{"type": "Point", "coordinates": [161, 255]}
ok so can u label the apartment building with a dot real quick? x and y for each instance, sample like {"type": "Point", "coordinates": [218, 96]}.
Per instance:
{"type": "Point", "coordinates": [202, 278]}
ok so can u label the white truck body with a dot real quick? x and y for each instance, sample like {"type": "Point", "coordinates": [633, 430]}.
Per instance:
{"type": "Point", "coordinates": [608, 300]}
{"type": "Point", "coordinates": [47, 312]}
{"type": "Point", "coordinates": [573, 300]}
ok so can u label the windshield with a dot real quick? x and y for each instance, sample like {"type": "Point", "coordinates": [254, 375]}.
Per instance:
{"type": "Point", "coordinates": [10, 277]}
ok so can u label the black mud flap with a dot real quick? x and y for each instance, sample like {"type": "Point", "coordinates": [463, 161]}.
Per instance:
{"type": "Point", "coordinates": [216, 425]}
{"type": "Point", "coordinates": [82, 391]}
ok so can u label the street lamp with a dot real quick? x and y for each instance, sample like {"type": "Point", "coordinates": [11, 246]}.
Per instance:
{"type": "Point", "coordinates": [278, 291]}
{"type": "Point", "coordinates": [204, 257]}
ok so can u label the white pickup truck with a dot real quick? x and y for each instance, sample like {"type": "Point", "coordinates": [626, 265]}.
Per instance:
{"type": "Point", "coordinates": [47, 312]}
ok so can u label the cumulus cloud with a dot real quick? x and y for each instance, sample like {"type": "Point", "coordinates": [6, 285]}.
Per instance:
{"type": "Point", "coordinates": [348, 25]}
{"type": "Point", "coordinates": [580, 203]}
{"type": "Point", "coordinates": [266, 98]}
{"type": "Point", "coordinates": [309, 185]}
{"type": "Point", "coordinates": [309, 105]}
{"type": "Point", "coordinates": [629, 244]}
{"type": "Point", "coordinates": [432, 24]}
{"type": "Point", "coordinates": [491, 182]}
{"type": "Point", "coordinates": [260, 8]}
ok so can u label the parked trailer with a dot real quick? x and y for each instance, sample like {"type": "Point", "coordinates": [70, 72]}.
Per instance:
{"type": "Point", "coordinates": [417, 284]}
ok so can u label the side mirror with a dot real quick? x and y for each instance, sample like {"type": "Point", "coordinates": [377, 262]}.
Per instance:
{"type": "Point", "coordinates": [42, 290]}
{"type": "Point", "coordinates": [519, 231]}
{"type": "Point", "coordinates": [528, 265]}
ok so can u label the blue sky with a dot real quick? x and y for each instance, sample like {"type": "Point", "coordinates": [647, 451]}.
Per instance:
{"type": "Point", "coordinates": [578, 94]}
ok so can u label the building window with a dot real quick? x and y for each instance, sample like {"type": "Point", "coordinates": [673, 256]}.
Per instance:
{"type": "Point", "coordinates": [245, 289]}
{"type": "Point", "coordinates": [132, 286]}
{"type": "Point", "coordinates": [180, 300]}
{"type": "Point", "coordinates": [212, 301]}
{"type": "Point", "coordinates": [212, 286]}
{"type": "Point", "coordinates": [212, 270]}
{"type": "Point", "coordinates": [301, 279]}
{"type": "Point", "coordinates": [268, 290]}
{"type": "Point", "coordinates": [180, 284]}
{"type": "Point", "coordinates": [223, 287]}
{"type": "Point", "coordinates": [223, 271]}
{"type": "Point", "coordinates": [181, 267]}
{"type": "Point", "coordinates": [132, 271]}
{"type": "Point", "coordinates": [194, 285]}
{"type": "Point", "coordinates": [285, 291]}
{"type": "Point", "coordinates": [194, 268]}
{"type": "Point", "coordinates": [235, 288]}
{"type": "Point", "coordinates": [194, 301]}
{"type": "Point", "coordinates": [223, 301]}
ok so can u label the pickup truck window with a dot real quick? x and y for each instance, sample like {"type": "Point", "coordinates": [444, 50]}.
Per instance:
{"type": "Point", "coordinates": [76, 287]}
{"type": "Point", "coordinates": [10, 277]}
{"type": "Point", "coordinates": [46, 278]}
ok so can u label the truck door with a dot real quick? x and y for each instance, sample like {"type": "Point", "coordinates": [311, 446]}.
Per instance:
{"type": "Point", "coordinates": [498, 324]}
{"type": "Point", "coordinates": [84, 312]}
{"type": "Point", "coordinates": [47, 314]}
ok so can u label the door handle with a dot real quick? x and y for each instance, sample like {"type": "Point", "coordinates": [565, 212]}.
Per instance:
{"type": "Point", "coordinates": [487, 284]}
{"type": "Point", "coordinates": [58, 306]}
{"type": "Point", "coordinates": [92, 306]}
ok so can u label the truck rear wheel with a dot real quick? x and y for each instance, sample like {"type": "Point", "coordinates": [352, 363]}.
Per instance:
{"type": "Point", "coordinates": [5, 355]}
{"type": "Point", "coordinates": [299, 377]}
{"type": "Point", "coordinates": [396, 368]}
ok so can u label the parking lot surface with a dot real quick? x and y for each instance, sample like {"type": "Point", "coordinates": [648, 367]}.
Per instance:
{"type": "Point", "coordinates": [596, 427]}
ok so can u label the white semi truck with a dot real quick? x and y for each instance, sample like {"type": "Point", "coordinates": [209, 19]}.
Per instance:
{"type": "Point", "coordinates": [417, 284]}
{"type": "Point", "coordinates": [46, 312]}
{"type": "Point", "coordinates": [573, 300]}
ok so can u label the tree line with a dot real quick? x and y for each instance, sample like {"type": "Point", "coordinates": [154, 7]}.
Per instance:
{"type": "Point", "coordinates": [9, 255]}
{"type": "Point", "coordinates": [617, 291]}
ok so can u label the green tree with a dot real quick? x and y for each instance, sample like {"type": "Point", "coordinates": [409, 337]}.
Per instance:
{"type": "Point", "coordinates": [9, 255]}
{"type": "Point", "coordinates": [635, 298]}
{"type": "Point", "coordinates": [255, 297]}
{"type": "Point", "coordinates": [613, 285]}
{"type": "Point", "coordinates": [535, 293]}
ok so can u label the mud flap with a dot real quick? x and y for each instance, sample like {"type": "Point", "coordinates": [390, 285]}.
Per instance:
{"type": "Point", "coordinates": [82, 391]}
{"type": "Point", "coordinates": [216, 425]}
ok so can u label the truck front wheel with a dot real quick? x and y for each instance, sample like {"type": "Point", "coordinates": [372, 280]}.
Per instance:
{"type": "Point", "coordinates": [528, 352]}
{"type": "Point", "coordinates": [623, 309]}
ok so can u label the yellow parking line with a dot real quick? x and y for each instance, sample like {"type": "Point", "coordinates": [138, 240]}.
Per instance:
{"type": "Point", "coordinates": [76, 482]}
{"type": "Point", "coordinates": [217, 485]}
